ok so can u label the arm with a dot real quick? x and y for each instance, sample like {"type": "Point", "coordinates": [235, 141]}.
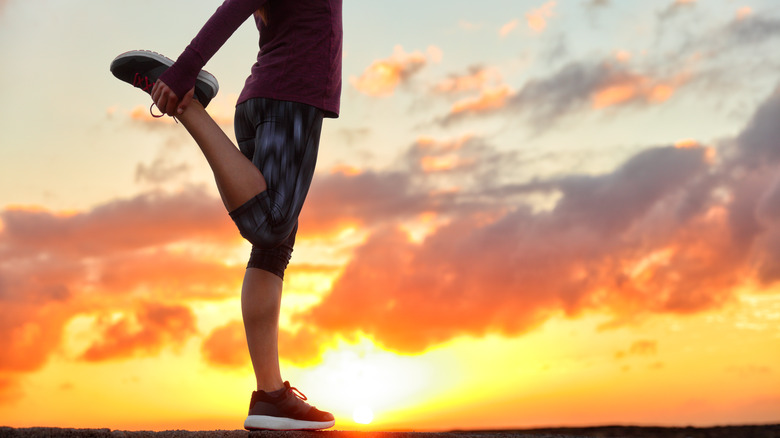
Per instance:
{"type": "Point", "coordinates": [176, 83]}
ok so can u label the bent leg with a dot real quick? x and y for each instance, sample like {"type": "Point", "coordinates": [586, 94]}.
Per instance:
{"type": "Point", "coordinates": [238, 180]}
{"type": "Point", "coordinates": [282, 140]}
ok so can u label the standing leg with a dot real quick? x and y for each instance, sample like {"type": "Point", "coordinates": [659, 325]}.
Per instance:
{"type": "Point", "coordinates": [261, 297]}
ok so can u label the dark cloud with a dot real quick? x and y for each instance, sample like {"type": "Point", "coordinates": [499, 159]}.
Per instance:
{"type": "Point", "coordinates": [725, 55]}
{"type": "Point", "coordinates": [358, 199]}
{"type": "Point", "coordinates": [675, 8]}
{"type": "Point", "coordinates": [597, 3]}
{"type": "Point", "coordinates": [612, 203]}
{"type": "Point", "coordinates": [159, 171]}
{"type": "Point", "coordinates": [148, 220]}
{"type": "Point", "coordinates": [758, 142]}
{"type": "Point", "coordinates": [704, 61]}
{"type": "Point", "coordinates": [576, 86]}
{"type": "Point", "coordinates": [751, 31]}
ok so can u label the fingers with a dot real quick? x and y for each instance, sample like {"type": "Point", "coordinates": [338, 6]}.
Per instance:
{"type": "Point", "coordinates": [165, 98]}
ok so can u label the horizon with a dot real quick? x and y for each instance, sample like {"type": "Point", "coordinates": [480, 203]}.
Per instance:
{"type": "Point", "coordinates": [529, 214]}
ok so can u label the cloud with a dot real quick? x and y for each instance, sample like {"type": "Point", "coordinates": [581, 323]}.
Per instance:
{"type": "Point", "coordinates": [345, 199]}
{"type": "Point", "coordinates": [10, 390]}
{"type": "Point", "coordinates": [477, 77]}
{"type": "Point", "coordinates": [489, 99]}
{"type": "Point", "coordinates": [468, 25]}
{"type": "Point", "coordinates": [432, 156]}
{"type": "Point", "coordinates": [507, 28]}
{"type": "Point", "coordinates": [758, 141]}
{"type": "Point", "coordinates": [676, 7]}
{"type": "Point", "coordinates": [574, 87]}
{"type": "Point", "coordinates": [644, 347]}
{"type": "Point", "coordinates": [750, 29]}
{"type": "Point", "coordinates": [486, 81]}
{"type": "Point", "coordinates": [671, 230]}
{"type": "Point", "coordinates": [597, 3]}
{"type": "Point", "coordinates": [745, 30]}
{"type": "Point", "coordinates": [383, 76]}
{"type": "Point", "coordinates": [54, 265]}
{"type": "Point", "coordinates": [506, 272]}
{"type": "Point", "coordinates": [163, 168]}
{"type": "Point", "coordinates": [153, 327]}
{"type": "Point", "coordinates": [226, 346]}
{"type": "Point", "coordinates": [159, 171]}
{"type": "Point", "coordinates": [537, 18]}
{"type": "Point", "coordinates": [149, 219]}
{"type": "Point", "coordinates": [744, 12]}
{"type": "Point", "coordinates": [147, 115]}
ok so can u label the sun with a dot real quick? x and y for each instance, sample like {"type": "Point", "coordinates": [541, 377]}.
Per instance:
{"type": "Point", "coordinates": [363, 415]}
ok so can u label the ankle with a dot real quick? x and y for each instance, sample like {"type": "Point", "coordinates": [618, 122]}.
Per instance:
{"type": "Point", "coordinates": [270, 386]}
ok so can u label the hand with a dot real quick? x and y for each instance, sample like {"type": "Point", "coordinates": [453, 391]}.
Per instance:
{"type": "Point", "coordinates": [167, 101]}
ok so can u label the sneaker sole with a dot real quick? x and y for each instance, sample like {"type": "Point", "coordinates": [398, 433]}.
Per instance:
{"type": "Point", "coordinates": [265, 422]}
{"type": "Point", "coordinates": [205, 85]}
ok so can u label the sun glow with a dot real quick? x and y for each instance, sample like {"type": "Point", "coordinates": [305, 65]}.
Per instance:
{"type": "Point", "coordinates": [362, 382]}
{"type": "Point", "coordinates": [363, 415]}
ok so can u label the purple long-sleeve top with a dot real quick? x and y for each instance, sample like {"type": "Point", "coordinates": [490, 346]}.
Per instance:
{"type": "Point", "coordinates": [299, 58]}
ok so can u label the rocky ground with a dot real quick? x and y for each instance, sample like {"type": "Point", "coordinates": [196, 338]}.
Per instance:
{"type": "Point", "coordinates": [763, 431]}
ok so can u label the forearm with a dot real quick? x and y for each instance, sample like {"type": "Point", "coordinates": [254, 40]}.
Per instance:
{"type": "Point", "coordinates": [223, 23]}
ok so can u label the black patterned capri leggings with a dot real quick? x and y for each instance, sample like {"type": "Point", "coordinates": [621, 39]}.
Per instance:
{"type": "Point", "coordinates": [281, 138]}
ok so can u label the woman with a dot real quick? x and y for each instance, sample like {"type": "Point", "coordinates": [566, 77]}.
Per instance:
{"type": "Point", "coordinates": [295, 83]}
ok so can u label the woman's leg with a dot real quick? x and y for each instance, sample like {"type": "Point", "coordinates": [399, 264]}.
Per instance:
{"type": "Point", "coordinates": [261, 297]}
{"type": "Point", "coordinates": [238, 180]}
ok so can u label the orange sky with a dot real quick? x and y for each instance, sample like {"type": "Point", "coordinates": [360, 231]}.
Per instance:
{"type": "Point", "coordinates": [538, 214]}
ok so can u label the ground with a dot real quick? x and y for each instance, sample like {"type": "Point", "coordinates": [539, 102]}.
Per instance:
{"type": "Point", "coordinates": [761, 431]}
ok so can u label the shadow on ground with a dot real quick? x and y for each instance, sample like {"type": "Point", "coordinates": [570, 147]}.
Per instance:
{"type": "Point", "coordinates": [763, 431]}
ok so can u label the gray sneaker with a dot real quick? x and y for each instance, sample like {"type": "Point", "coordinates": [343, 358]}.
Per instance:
{"type": "Point", "coordinates": [288, 411]}
{"type": "Point", "coordinates": [141, 68]}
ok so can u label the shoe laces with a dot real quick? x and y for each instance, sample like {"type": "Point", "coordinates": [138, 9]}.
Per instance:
{"type": "Point", "coordinates": [296, 392]}
{"type": "Point", "coordinates": [143, 83]}
{"type": "Point", "coordinates": [157, 116]}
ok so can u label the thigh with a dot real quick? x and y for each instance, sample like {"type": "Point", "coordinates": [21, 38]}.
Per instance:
{"type": "Point", "coordinates": [281, 139]}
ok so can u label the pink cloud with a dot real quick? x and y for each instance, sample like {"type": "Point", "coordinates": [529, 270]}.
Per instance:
{"type": "Point", "coordinates": [507, 28]}
{"type": "Point", "coordinates": [537, 18]}
{"type": "Point", "coordinates": [383, 76]}
{"type": "Point", "coordinates": [477, 78]}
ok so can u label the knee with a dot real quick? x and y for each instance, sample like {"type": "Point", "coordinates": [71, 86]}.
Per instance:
{"type": "Point", "coordinates": [260, 224]}
{"type": "Point", "coordinates": [262, 237]}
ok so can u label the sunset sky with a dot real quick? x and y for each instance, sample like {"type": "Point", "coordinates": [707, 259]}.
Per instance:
{"type": "Point", "coordinates": [530, 213]}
